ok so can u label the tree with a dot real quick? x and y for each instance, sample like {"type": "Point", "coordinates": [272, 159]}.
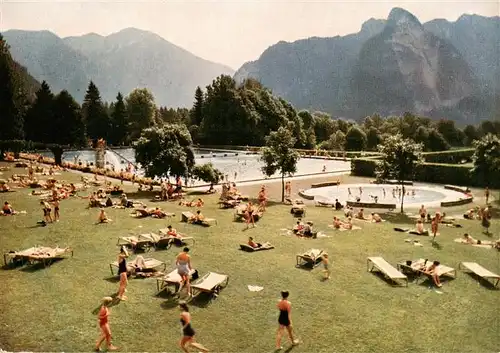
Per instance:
{"type": "Point", "coordinates": [207, 173]}
{"type": "Point", "coordinates": [141, 110]}
{"type": "Point", "coordinates": [400, 158]}
{"type": "Point", "coordinates": [39, 122]}
{"type": "Point", "coordinates": [69, 120]}
{"type": "Point", "coordinates": [436, 141]}
{"type": "Point", "coordinates": [197, 110]}
{"type": "Point", "coordinates": [279, 156]}
{"type": "Point", "coordinates": [355, 139]}
{"type": "Point", "coordinates": [119, 123]}
{"type": "Point", "coordinates": [95, 115]}
{"type": "Point", "coordinates": [12, 97]}
{"type": "Point", "coordinates": [471, 134]}
{"type": "Point", "coordinates": [165, 151]}
{"type": "Point", "coordinates": [373, 138]}
{"type": "Point", "coordinates": [486, 158]}
{"type": "Point", "coordinates": [449, 131]}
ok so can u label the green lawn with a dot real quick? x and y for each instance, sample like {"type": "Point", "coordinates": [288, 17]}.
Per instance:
{"type": "Point", "coordinates": [52, 309]}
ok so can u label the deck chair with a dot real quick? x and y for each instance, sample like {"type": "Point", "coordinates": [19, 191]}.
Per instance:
{"type": "Point", "coordinates": [151, 265]}
{"type": "Point", "coordinates": [211, 283]}
{"type": "Point", "coordinates": [45, 255]}
{"type": "Point", "coordinates": [186, 216]}
{"type": "Point", "coordinates": [248, 248]}
{"type": "Point", "coordinates": [164, 241]}
{"type": "Point", "coordinates": [415, 267]}
{"type": "Point", "coordinates": [312, 257]}
{"type": "Point", "coordinates": [140, 242]}
{"type": "Point", "coordinates": [385, 268]}
{"type": "Point", "coordinates": [172, 279]}
{"type": "Point", "coordinates": [298, 210]}
{"type": "Point", "coordinates": [480, 271]}
{"type": "Point", "coordinates": [228, 203]}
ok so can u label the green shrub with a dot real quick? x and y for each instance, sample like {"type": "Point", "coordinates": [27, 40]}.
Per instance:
{"type": "Point", "coordinates": [449, 157]}
{"type": "Point", "coordinates": [438, 173]}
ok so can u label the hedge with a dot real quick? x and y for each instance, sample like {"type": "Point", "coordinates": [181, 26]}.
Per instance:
{"type": "Point", "coordinates": [438, 173]}
{"type": "Point", "coordinates": [449, 157]}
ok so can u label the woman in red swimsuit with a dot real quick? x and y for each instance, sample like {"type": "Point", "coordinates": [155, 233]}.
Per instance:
{"type": "Point", "coordinates": [104, 325]}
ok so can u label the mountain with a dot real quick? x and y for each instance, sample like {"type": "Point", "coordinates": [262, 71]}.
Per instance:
{"type": "Point", "coordinates": [388, 67]}
{"type": "Point", "coordinates": [29, 83]}
{"type": "Point", "coordinates": [119, 62]}
{"type": "Point", "coordinates": [406, 68]}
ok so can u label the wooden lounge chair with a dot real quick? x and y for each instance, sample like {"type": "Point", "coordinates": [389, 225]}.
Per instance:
{"type": "Point", "coordinates": [45, 255]}
{"type": "Point", "coordinates": [164, 241]}
{"type": "Point", "coordinates": [385, 268]}
{"type": "Point", "coordinates": [416, 267]}
{"type": "Point", "coordinates": [312, 257]}
{"type": "Point", "coordinates": [298, 210]}
{"type": "Point", "coordinates": [151, 264]}
{"type": "Point", "coordinates": [140, 242]}
{"type": "Point", "coordinates": [211, 283]}
{"type": "Point", "coordinates": [228, 203]}
{"type": "Point", "coordinates": [172, 279]}
{"type": "Point", "coordinates": [480, 271]}
{"type": "Point", "coordinates": [248, 248]}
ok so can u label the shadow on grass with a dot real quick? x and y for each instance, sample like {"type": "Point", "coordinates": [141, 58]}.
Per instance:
{"type": "Point", "coordinates": [398, 218]}
{"type": "Point", "coordinates": [113, 279]}
{"type": "Point", "coordinates": [388, 281]}
{"type": "Point", "coordinates": [436, 245]}
{"type": "Point", "coordinates": [115, 302]}
{"type": "Point", "coordinates": [482, 281]}
{"type": "Point", "coordinates": [39, 265]}
{"type": "Point", "coordinates": [306, 267]}
{"type": "Point", "coordinates": [171, 303]}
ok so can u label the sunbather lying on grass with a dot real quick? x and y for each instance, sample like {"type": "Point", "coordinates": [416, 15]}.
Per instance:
{"type": "Point", "coordinates": [376, 218]}
{"type": "Point", "coordinates": [257, 245]}
{"type": "Point", "coordinates": [193, 203]}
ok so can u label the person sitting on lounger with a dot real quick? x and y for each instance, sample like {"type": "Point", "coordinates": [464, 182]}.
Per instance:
{"type": "Point", "coordinates": [103, 218]}
{"type": "Point", "coordinates": [172, 232]}
{"type": "Point", "coordinates": [432, 271]}
{"type": "Point", "coordinates": [420, 227]}
{"type": "Point", "coordinates": [197, 218]}
{"type": "Point", "coordinates": [470, 214]}
{"type": "Point", "coordinates": [158, 213]}
{"type": "Point", "coordinates": [376, 218]}
{"type": "Point", "coordinates": [7, 209]}
{"type": "Point", "coordinates": [253, 244]}
{"type": "Point", "coordinates": [348, 211]}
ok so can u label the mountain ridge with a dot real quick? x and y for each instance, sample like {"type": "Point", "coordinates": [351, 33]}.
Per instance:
{"type": "Point", "coordinates": [120, 62]}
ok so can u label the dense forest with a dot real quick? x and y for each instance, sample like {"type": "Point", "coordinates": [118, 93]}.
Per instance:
{"type": "Point", "coordinates": [223, 113]}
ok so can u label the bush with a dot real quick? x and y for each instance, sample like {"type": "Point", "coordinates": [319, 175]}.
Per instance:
{"type": "Point", "coordinates": [449, 157]}
{"type": "Point", "coordinates": [438, 173]}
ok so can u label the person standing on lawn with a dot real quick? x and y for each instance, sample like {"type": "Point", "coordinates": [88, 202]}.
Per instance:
{"type": "Point", "coordinates": [104, 326]}
{"type": "Point", "coordinates": [285, 320]}
{"type": "Point", "coordinates": [122, 272]}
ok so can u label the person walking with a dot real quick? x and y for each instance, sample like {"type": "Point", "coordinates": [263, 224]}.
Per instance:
{"type": "Point", "coordinates": [285, 320]}
{"type": "Point", "coordinates": [183, 263]}
{"type": "Point", "coordinates": [122, 272]}
{"type": "Point", "coordinates": [104, 326]}
{"type": "Point", "coordinates": [188, 332]}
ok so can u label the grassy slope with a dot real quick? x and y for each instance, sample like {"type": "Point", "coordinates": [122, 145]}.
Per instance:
{"type": "Point", "coordinates": [52, 309]}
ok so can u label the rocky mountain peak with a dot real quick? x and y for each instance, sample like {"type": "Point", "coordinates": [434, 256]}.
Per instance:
{"type": "Point", "coordinates": [373, 26]}
{"type": "Point", "coordinates": [399, 17]}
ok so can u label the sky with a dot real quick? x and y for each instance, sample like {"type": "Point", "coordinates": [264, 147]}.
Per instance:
{"type": "Point", "coordinates": [227, 32]}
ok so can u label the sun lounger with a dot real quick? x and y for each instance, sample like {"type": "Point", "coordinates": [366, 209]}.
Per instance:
{"type": "Point", "coordinates": [151, 264]}
{"type": "Point", "coordinates": [480, 271]}
{"type": "Point", "coordinates": [139, 242]}
{"type": "Point", "coordinates": [165, 241]}
{"type": "Point", "coordinates": [312, 257]}
{"type": "Point", "coordinates": [248, 248]}
{"type": "Point", "coordinates": [298, 210]}
{"type": "Point", "coordinates": [172, 279]}
{"type": "Point", "coordinates": [385, 268]}
{"type": "Point", "coordinates": [211, 283]}
{"type": "Point", "coordinates": [416, 267]}
{"type": "Point", "coordinates": [228, 203]}
{"type": "Point", "coordinates": [45, 255]}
